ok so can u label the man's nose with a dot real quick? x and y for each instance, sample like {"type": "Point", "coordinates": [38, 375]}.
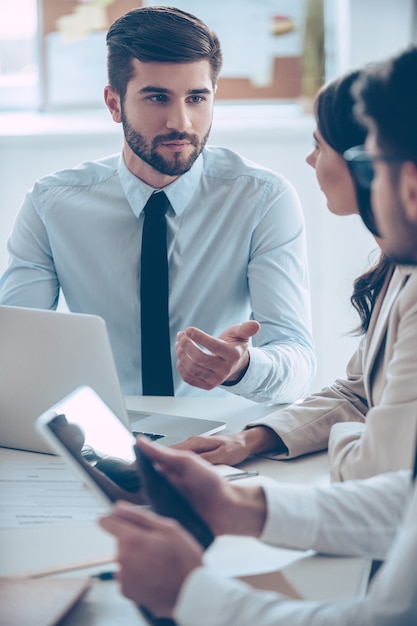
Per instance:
{"type": "Point", "coordinates": [178, 118]}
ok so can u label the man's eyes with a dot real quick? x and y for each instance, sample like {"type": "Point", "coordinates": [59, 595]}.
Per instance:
{"type": "Point", "coordinates": [196, 99]}
{"type": "Point", "coordinates": [162, 98]}
{"type": "Point", "coordinates": [159, 97]}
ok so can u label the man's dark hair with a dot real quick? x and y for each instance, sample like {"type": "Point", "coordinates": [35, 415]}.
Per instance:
{"type": "Point", "coordinates": [386, 95]}
{"type": "Point", "coordinates": [158, 34]}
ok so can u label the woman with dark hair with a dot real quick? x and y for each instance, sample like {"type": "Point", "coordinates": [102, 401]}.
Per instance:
{"type": "Point", "coordinates": [364, 432]}
{"type": "Point", "coordinates": [337, 131]}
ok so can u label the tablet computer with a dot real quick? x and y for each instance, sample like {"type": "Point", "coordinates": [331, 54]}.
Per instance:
{"type": "Point", "coordinates": [166, 500]}
{"type": "Point", "coordinates": [87, 434]}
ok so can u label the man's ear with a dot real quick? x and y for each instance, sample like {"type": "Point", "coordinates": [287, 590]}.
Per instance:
{"type": "Point", "coordinates": [112, 100]}
{"type": "Point", "coordinates": [408, 190]}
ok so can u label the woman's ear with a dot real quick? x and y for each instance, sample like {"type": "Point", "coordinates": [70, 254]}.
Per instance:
{"type": "Point", "coordinates": [408, 190]}
{"type": "Point", "coordinates": [112, 100]}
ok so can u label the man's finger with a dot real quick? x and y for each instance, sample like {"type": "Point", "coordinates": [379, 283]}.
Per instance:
{"type": "Point", "coordinates": [190, 351]}
{"type": "Point", "coordinates": [201, 338]}
{"type": "Point", "coordinates": [241, 332]}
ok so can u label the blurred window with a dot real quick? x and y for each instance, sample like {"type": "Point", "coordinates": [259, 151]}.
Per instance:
{"type": "Point", "coordinates": [19, 74]}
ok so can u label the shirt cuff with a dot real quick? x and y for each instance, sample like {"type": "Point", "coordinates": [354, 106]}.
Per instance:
{"type": "Point", "coordinates": [256, 374]}
{"type": "Point", "coordinates": [232, 383]}
{"type": "Point", "coordinates": [205, 594]}
{"type": "Point", "coordinates": [292, 519]}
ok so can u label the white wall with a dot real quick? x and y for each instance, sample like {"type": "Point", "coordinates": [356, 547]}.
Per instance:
{"type": "Point", "coordinates": [364, 31]}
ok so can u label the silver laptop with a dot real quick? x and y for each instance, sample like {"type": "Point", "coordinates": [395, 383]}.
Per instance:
{"type": "Point", "coordinates": [45, 355]}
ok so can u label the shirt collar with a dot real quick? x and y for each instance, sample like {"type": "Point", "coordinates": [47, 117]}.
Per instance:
{"type": "Point", "coordinates": [179, 192]}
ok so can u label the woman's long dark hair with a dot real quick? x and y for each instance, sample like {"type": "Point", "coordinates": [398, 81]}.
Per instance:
{"type": "Point", "coordinates": [336, 121]}
{"type": "Point", "coordinates": [366, 289]}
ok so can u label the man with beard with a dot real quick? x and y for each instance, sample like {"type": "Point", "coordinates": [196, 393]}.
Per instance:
{"type": "Point", "coordinates": [235, 232]}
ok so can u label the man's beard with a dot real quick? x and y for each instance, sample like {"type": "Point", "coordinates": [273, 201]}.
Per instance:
{"type": "Point", "coordinates": [401, 257]}
{"type": "Point", "coordinates": [404, 249]}
{"type": "Point", "coordinates": [178, 165]}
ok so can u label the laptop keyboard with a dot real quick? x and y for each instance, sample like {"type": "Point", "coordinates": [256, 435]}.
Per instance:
{"type": "Point", "coordinates": [151, 436]}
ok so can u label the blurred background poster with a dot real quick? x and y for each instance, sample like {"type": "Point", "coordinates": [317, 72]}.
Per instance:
{"type": "Point", "coordinates": [269, 46]}
{"type": "Point", "coordinates": [252, 33]}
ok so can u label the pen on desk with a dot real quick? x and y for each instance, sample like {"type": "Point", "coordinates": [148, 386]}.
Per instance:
{"type": "Point", "coordinates": [240, 475]}
{"type": "Point", "coordinates": [104, 575]}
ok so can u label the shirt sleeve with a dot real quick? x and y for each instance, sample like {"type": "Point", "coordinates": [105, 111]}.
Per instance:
{"type": "Point", "coordinates": [209, 600]}
{"type": "Point", "coordinates": [30, 278]}
{"type": "Point", "coordinates": [212, 601]}
{"type": "Point", "coordinates": [282, 359]}
{"type": "Point", "coordinates": [354, 518]}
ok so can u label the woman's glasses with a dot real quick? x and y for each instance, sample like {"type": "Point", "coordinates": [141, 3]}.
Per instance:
{"type": "Point", "coordinates": [360, 164]}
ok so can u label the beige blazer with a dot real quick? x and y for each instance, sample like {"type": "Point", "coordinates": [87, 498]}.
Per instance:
{"type": "Point", "coordinates": [368, 421]}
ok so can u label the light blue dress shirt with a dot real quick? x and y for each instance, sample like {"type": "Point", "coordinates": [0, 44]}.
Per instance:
{"type": "Point", "coordinates": [236, 247]}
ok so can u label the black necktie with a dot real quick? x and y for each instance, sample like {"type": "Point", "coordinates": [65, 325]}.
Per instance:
{"type": "Point", "coordinates": [156, 350]}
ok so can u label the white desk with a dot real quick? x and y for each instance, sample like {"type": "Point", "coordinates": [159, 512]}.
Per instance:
{"type": "Point", "coordinates": [315, 577]}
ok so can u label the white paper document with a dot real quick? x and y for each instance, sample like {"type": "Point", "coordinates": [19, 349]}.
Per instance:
{"type": "Point", "coordinates": [35, 494]}
{"type": "Point", "coordinates": [233, 556]}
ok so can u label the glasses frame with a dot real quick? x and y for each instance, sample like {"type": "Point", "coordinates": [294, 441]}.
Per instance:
{"type": "Point", "coordinates": [360, 164]}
